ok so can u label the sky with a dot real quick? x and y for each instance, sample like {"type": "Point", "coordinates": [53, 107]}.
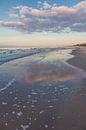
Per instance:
{"type": "Point", "coordinates": [39, 23]}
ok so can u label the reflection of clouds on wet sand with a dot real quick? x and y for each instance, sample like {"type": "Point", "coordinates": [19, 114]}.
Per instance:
{"type": "Point", "coordinates": [53, 56]}
{"type": "Point", "coordinates": [51, 72]}
{"type": "Point", "coordinates": [36, 99]}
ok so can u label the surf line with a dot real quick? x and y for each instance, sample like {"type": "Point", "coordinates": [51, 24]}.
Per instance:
{"type": "Point", "coordinates": [8, 84]}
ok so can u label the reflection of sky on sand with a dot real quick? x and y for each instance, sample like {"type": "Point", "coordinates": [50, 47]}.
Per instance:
{"type": "Point", "coordinates": [33, 97]}
{"type": "Point", "coordinates": [50, 72]}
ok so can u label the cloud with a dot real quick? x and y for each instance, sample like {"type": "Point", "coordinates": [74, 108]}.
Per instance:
{"type": "Point", "coordinates": [48, 17]}
{"type": "Point", "coordinates": [24, 10]}
{"type": "Point", "coordinates": [46, 5]}
{"type": "Point", "coordinates": [63, 10]}
{"type": "Point", "coordinates": [81, 5]}
{"type": "Point", "coordinates": [13, 15]}
{"type": "Point", "coordinates": [46, 11]}
{"type": "Point", "coordinates": [11, 24]}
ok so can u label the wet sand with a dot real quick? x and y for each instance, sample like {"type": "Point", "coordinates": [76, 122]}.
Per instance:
{"type": "Point", "coordinates": [42, 94]}
{"type": "Point", "coordinates": [74, 115]}
{"type": "Point", "coordinates": [80, 58]}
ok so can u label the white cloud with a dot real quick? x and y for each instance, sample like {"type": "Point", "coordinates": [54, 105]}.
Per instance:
{"type": "Point", "coordinates": [49, 18]}
{"type": "Point", "coordinates": [46, 5]}
{"type": "Point", "coordinates": [11, 24]}
{"type": "Point", "coordinates": [13, 15]}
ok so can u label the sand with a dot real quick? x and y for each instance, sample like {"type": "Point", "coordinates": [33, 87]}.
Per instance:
{"type": "Point", "coordinates": [80, 58]}
{"type": "Point", "coordinates": [74, 113]}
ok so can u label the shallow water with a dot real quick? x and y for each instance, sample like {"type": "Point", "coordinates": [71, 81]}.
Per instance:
{"type": "Point", "coordinates": [61, 54]}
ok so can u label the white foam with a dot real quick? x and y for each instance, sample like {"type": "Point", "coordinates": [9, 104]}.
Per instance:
{"type": "Point", "coordinates": [35, 119]}
{"type": "Point", "coordinates": [4, 103]}
{"type": "Point", "coordinates": [24, 127]}
{"type": "Point", "coordinates": [50, 106]}
{"type": "Point", "coordinates": [11, 54]}
{"type": "Point", "coordinates": [24, 106]}
{"type": "Point", "coordinates": [19, 114]}
{"type": "Point", "coordinates": [33, 93]}
{"type": "Point", "coordinates": [15, 98]}
{"type": "Point", "coordinates": [41, 112]}
{"type": "Point", "coordinates": [32, 105]}
{"type": "Point", "coordinates": [6, 124]}
{"type": "Point", "coordinates": [8, 84]}
{"type": "Point", "coordinates": [13, 112]}
{"type": "Point", "coordinates": [11, 92]}
{"type": "Point", "coordinates": [46, 126]}
{"type": "Point", "coordinates": [14, 105]}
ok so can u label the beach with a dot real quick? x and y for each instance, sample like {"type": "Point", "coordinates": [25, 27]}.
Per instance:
{"type": "Point", "coordinates": [44, 91]}
{"type": "Point", "coordinates": [80, 56]}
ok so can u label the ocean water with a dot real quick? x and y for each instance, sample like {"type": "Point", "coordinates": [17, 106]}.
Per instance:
{"type": "Point", "coordinates": [8, 54]}
{"type": "Point", "coordinates": [49, 54]}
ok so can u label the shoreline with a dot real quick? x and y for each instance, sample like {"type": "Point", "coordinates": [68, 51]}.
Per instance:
{"type": "Point", "coordinates": [46, 51]}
